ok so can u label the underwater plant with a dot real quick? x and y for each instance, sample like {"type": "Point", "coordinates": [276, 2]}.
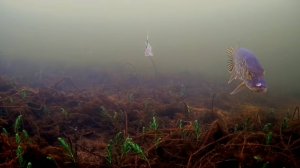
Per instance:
{"type": "Point", "coordinates": [269, 138]}
{"type": "Point", "coordinates": [113, 150]}
{"type": "Point", "coordinates": [267, 127]}
{"type": "Point", "coordinates": [29, 165]}
{"type": "Point", "coordinates": [18, 124]}
{"type": "Point", "coordinates": [197, 129]}
{"type": "Point", "coordinates": [180, 125]}
{"type": "Point", "coordinates": [24, 94]}
{"type": "Point", "coordinates": [113, 116]}
{"type": "Point", "coordinates": [173, 137]}
{"type": "Point", "coordinates": [25, 135]}
{"type": "Point", "coordinates": [68, 149]}
{"type": "Point", "coordinates": [4, 132]}
{"type": "Point", "coordinates": [19, 153]}
{"type": "Point", "coordinates": [130, 146]}
{"type": "Point", "coordinates": [119, 148]}
{"type": "Point", "coordinates": [109, 151]}
{"type": "Point", "coordinates": [52, 159]}
{"type": "Point", "coordinates": [260, 159]}
{"type": "Point", "coordinates": [265, 165]}
{"type": "Point", "coordinates": [183, 132]}
{"type": "Point", "coordinates": [153, 124]}
{"type": "Point", "coordinates": [188, 110]}
{"type": "Point", "coordinates": [20, 138]}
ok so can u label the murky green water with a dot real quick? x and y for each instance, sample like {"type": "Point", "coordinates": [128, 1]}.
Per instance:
{"type": "Point", "coordinates": [187, 37]}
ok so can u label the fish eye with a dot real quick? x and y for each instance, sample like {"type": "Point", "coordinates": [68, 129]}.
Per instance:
{"type": "Point", "coordinates": [258, 84]}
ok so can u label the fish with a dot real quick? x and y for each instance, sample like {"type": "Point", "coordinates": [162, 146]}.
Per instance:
{"type": "Point", "coordinates": [148, 49]}
{"type": "Point", "coordinates": [243, 65]}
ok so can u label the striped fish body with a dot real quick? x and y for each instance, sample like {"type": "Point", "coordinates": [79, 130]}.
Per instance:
{"type": "Point", "coordinates": [243, 65]}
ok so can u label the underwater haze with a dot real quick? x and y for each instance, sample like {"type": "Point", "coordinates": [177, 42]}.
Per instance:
{"type": "Point", "coordinates": [186, 36]}
{"type": "Point", "coordinates": [149, 83]}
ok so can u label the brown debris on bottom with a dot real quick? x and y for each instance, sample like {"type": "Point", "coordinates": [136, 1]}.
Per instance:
{"type": "Point", "coordinates": [186, 135]}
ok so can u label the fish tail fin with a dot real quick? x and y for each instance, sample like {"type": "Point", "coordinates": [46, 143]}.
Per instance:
{"type": "Point", "coordinates": [230, 53]}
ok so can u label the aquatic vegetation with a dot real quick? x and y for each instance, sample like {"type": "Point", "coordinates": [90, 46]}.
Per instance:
{"type": "Point", "coordinates": [267, 127]}
{"type": "Point", "coordinates": [113, 151]}
{"type": "Point", "coordinates": [24, 94]}
{"type": "Point", "coordinates": [269, 138]}
{"type": "Point", "coordinates": [180, 125]}
{"type": "Point", "coordinates": [4, 132]}
{"type": "Point", "coordinates": [29, 165]}
{"type": "Point", "coordinates": [109, 157]}
{"type": "Point", "coordinates": [289, 118]}
{"type": "Point", "coordinates": [130, 146]}
{"type": "Point", "coordinates": [259, 159]}
{"type": "Point", "coordinates": [106, 129]}
{"type": "Point", "coordinates": [153, 124]}
{"type": "Point", "coordinates": [18, 124]}
{"type": "Point", "coordinates": [113, 117]}
{"type": "Point", "coordinates": [119, 149]}
{"type": "Point", "coordinates": [19, 153]}
{"type": "Point", "coordinates": [25, 135]}
{"type": "Point", "coordinates": [285, 123]}
{"type": "Point", "coordinates": [188, 110]}
{"type": "Point", "coordinates": [20, 138]}
{"type": "Point", "coordinates": [197, 129]}
{"type": "Point", "coordinates": [68, 149]}
{"type": "Point", "coordinates": [52, 160]}
{"type": "Point", "coordinates": [265, 165]}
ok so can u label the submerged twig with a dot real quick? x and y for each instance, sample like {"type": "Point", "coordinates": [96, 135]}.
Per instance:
{"type": "Point", "coordinates": [212, 102]}
{"type": "Point", "coordinates": [126, 124]}
{"type": "Point", "coordinates": [297, 110]}
{"type": "Point", "coordinates": [154, 66]}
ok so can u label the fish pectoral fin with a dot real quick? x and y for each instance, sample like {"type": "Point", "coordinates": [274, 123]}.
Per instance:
{"type": "Point", "coordinates": [238, 88]}
{"type": "Point", "coordinates": [232, 77]}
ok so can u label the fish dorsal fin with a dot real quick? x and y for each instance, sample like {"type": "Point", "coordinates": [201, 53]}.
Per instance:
{"type": "Point", "coordinates": [230, 53]}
